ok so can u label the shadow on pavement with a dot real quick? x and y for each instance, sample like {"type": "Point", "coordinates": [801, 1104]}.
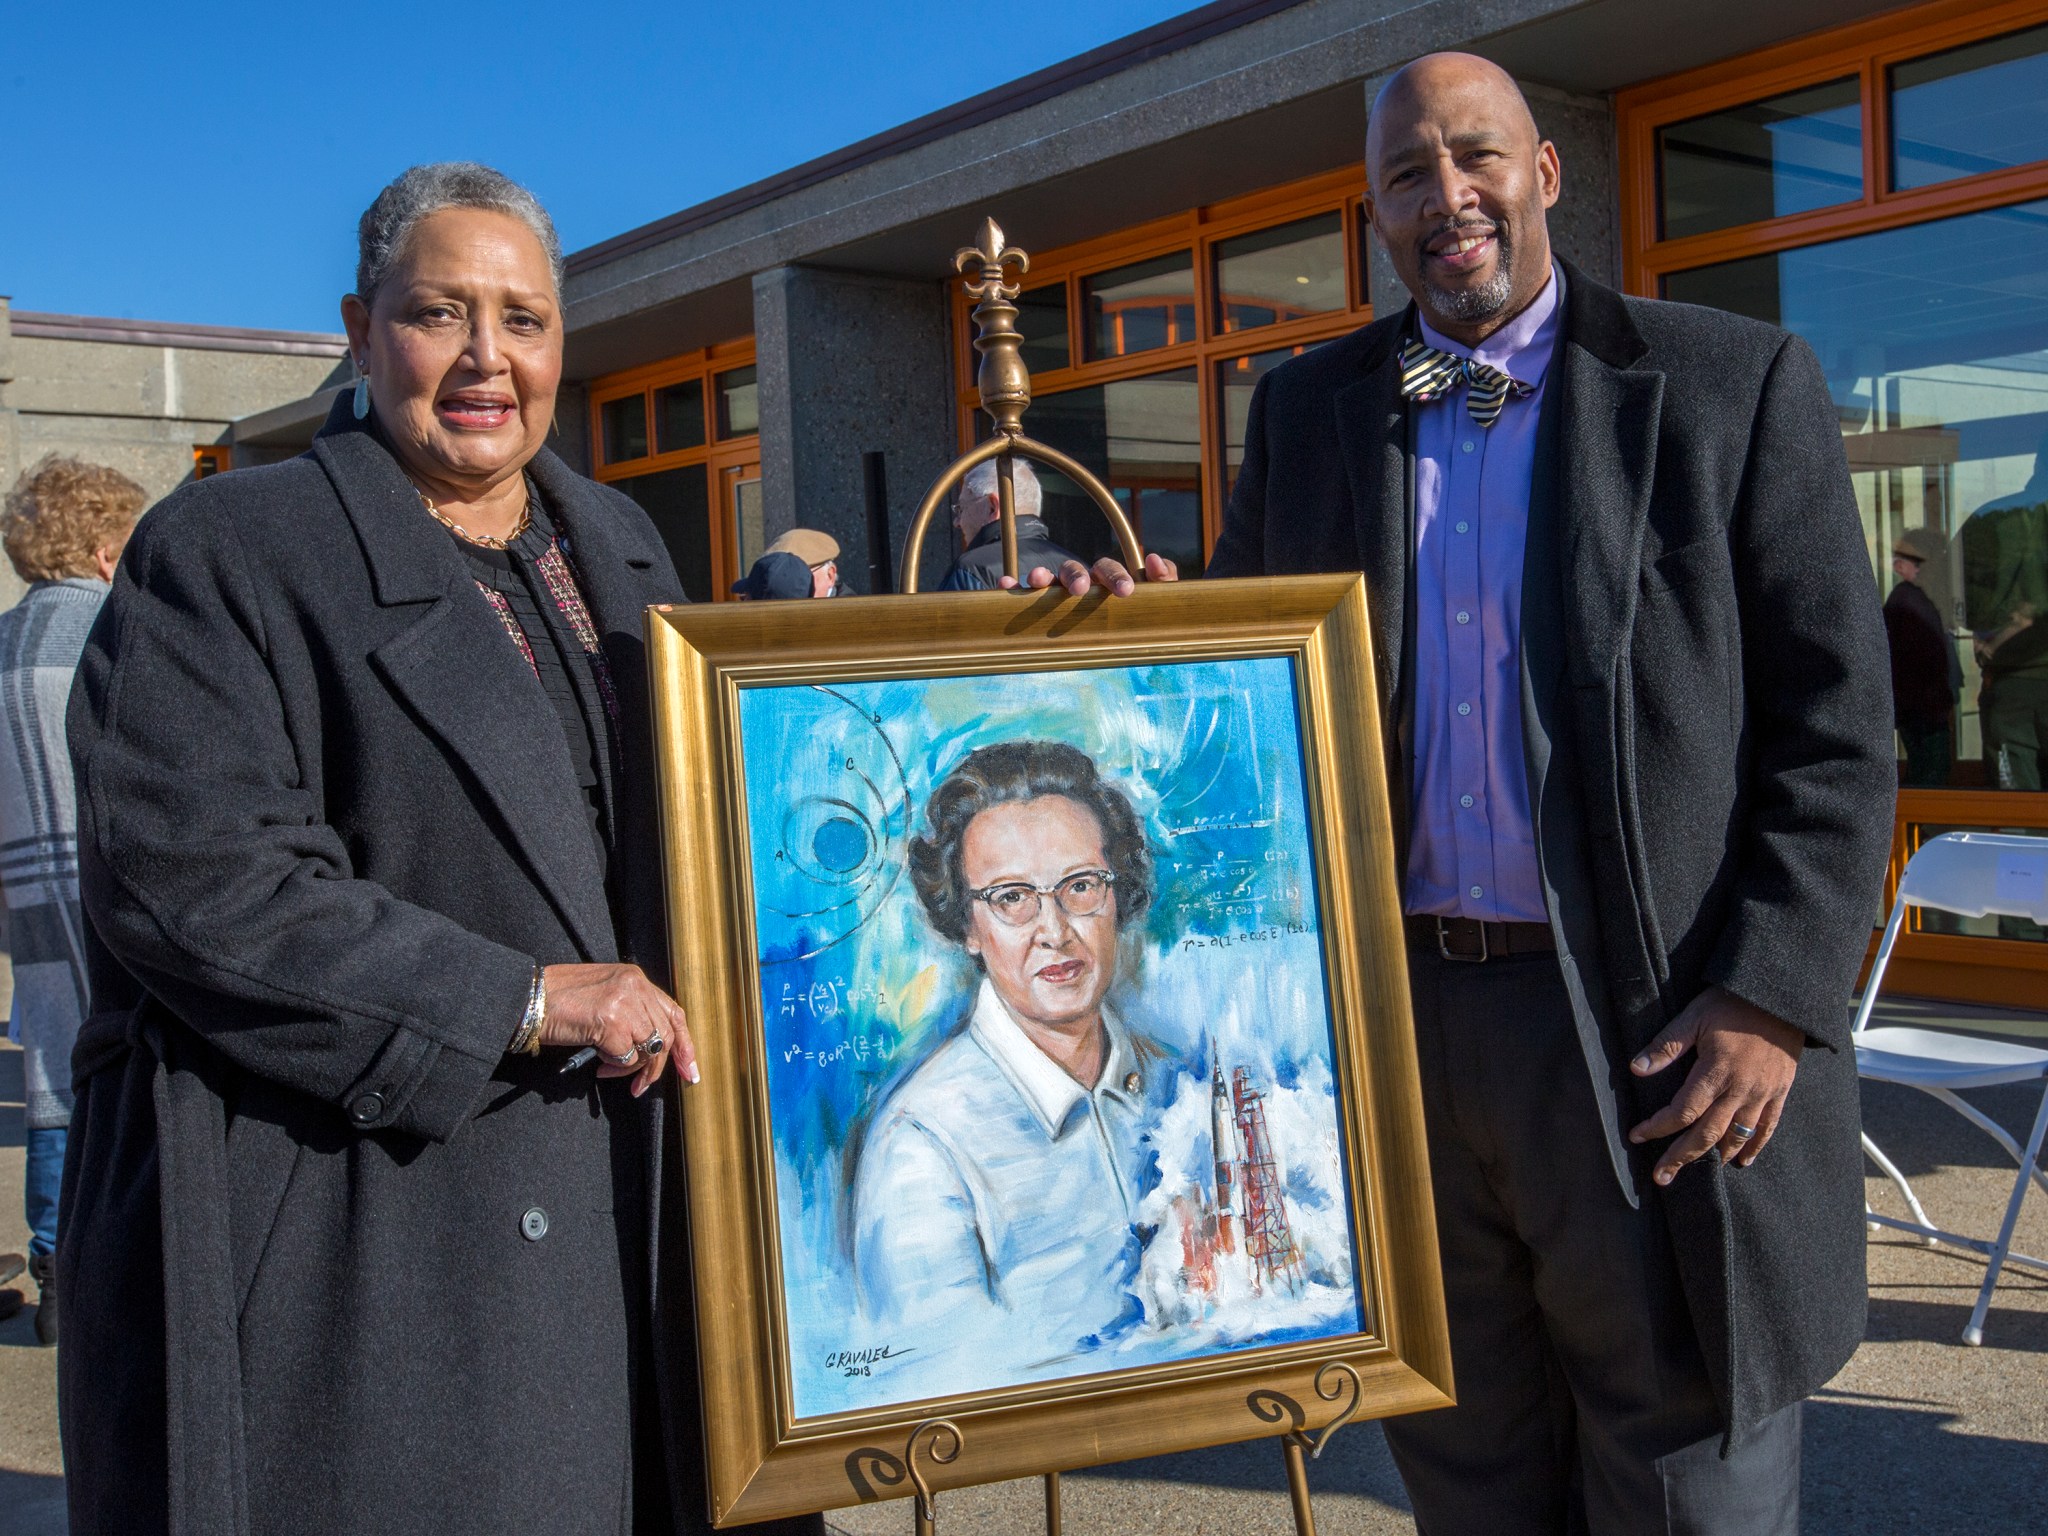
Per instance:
{"type": "Point", "coordinates": [1941, 1322]}
{"type": "Point", "coordinates": [1921, 1134]}
{"type": "Point", "coordinates": [31, 1505]}
{"type": "Point", "coordinates": [1357, 1464]}
{"type": "Point", "coordinates": [1879, 1464]}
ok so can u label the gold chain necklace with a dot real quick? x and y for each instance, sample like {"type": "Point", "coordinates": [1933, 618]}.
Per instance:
{"type": "Point", "coordinates": [484, 540]}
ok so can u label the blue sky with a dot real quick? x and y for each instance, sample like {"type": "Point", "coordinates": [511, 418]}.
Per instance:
{"type": "Point", "coordinates": [207, 163]}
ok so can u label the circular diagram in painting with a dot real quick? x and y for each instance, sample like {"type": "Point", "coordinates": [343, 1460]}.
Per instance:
{"type": "Point", "coordinates": [829, 850]}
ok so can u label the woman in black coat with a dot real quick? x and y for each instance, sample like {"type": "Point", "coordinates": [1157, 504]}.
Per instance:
{"type": "Point", "coordinates": [368, 846]}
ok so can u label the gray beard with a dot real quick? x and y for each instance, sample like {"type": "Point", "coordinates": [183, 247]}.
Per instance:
{"type": "Point", "coordinates": [1467, 306]}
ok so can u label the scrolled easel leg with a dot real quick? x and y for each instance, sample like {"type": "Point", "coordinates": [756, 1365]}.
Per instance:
{"type": "Point", "coordinates": [1052, 1504]}
{"type": "Point", "coordinates": [1297, 1484]}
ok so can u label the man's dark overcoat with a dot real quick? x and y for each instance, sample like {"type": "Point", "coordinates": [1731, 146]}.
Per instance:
{"type": "Point", "coordinates": [330, 1261]}
{"type": "Point", "coordinates": [1707, 736]}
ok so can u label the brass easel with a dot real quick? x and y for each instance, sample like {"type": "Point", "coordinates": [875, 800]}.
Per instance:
{"type": "Point", "coordinates": [1005, 386]}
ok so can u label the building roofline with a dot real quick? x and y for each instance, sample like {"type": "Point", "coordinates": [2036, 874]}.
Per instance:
{"type": "Point", "coordinates": [170, 333]}
{"type": "Point", "coordinates": [1169, 36]}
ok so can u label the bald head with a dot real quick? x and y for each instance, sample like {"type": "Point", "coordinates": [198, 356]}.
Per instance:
{"type": "Point", "coordinates": [1458, 183]}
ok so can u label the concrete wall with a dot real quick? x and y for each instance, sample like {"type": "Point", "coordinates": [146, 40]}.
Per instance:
{"type": "Point", "coordinates": [852, 365]}
{"type": "Point", "coordinates": [1585, 226]}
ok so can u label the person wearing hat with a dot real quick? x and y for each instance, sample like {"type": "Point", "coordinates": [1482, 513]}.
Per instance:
{"type": "Point", "coordinates": [819, 552]}
{"type": "Point", "coordinates": [1926, 672]}
{"type": "Point", "coordinates": [777, 574]}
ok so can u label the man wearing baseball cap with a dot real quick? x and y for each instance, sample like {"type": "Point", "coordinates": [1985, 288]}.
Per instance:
{"type": "Point", "coordinates": [819, 551]}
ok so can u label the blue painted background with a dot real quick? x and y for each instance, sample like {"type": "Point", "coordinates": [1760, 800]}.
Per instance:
{"type": "Point", "coordinates": [856, 988]}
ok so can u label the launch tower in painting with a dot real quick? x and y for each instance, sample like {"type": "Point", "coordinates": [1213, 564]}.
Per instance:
{"type": "Point", "coordinates": [1249, 1216]}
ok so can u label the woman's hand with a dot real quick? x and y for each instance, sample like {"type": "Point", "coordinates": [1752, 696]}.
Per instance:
{"type": "Point", "coordinates": [634, 1025]}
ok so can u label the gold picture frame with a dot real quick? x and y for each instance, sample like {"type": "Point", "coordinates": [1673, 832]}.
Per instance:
{"type": "Point", "coordinates": [766, 1459]}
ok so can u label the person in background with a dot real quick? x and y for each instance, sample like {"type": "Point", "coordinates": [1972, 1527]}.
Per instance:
{"type": "Point", "coordinates": [64, 527]}
{"type": "Point", "coordinates": [1927, 674]}
{"type": "Point", "coordinates": [2005, 600]}
{"type": "Point", "coordinates": [776, 577]}
{"type": "Point", "coordinates": [819, 553]}
{"type": "Point", "coordinates": [977, 515]}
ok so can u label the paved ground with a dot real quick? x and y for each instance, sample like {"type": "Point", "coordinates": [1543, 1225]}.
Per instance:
{"type": "Point", "coordinates": [1918, 1433]}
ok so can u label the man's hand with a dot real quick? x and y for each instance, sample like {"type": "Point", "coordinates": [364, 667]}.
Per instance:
{"type": "Point", "coordinates": [1078, 578]}
{"type": "Point", "coordinates": [635, 1026]}
{"type": "Point", "coordinates": [1743, 1067]}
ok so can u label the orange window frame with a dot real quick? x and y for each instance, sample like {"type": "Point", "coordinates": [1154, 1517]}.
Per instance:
{"type": "Point", "coordinates": [220, 456]}
{"type": "Point", "coordinates": [1197, 231]}
{"type": "Point", "coordinates": [716, 455]}
{"type": "Point", "coordinates": [1965, 968]}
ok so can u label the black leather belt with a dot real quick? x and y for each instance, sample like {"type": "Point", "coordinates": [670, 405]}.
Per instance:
{"type": "Point", "coordinates": [1470, 940]}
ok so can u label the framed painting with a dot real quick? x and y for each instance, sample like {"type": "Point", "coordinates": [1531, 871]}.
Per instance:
{"type": "Point", "coordinates": [1045, 966]}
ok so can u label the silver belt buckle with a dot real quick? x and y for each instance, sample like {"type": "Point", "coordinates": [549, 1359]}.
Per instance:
{"type": "Point", "coordinates": [1443, 946]}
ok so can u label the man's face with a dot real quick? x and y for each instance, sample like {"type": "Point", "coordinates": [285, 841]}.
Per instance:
{"type": "Point", "coordinates": [824, 578]}
{"type": "Point", "coordinates": [972, 513]}
{"type": "Point", "coordinates": [1906, 567]}
{"type": "Point", "coordinates": [1459, 183]}
{"type": "Point", "coordinates": [1054, 970]}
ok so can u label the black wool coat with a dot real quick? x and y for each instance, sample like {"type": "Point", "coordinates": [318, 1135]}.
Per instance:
{"type": "Point", "coordinates": [330, 1261]}
{"type": "Point", "coordinates": [1707, 726]}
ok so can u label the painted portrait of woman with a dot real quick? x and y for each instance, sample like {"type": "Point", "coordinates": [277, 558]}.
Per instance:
{"type": "Point", "coordinates": [1002, 1176]}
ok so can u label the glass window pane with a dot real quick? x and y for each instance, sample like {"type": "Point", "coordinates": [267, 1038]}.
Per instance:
{"type": "Point", "coordinates": [1042, 320]}
{"type": "Point", "coordinates": [1236, 378]}
{"type": "Point", "coordinates": [1981, 107]}
{"type": "Point", "coordinates": [1783, 155]}
{"type": "Point", "coordinates": [679, 415]}
{"type": "Point", "coordinates": [1140, 307]}
{"type": "Point", "coordinates": [1281, 274]}
{"type": "Point", "coordinates": [739, 403]}
{"type": "Point", "coordinates": [748, 515]}
{"type": "Point", "coordinates": [1143, 437]}
{"type": "Point", "coordinates": [678, 502]}
{"type": "Point", "coordinates": [625, 428]}
{"type": "Point", "coordinates": [1939, 371]}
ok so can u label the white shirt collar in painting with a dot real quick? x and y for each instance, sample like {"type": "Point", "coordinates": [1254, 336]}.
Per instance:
{"type": "Point", "coordinates": [1044, 1084]}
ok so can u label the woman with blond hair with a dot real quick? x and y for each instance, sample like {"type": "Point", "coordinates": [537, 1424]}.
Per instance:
{"type": "Point", "coordinates": [64, 525]}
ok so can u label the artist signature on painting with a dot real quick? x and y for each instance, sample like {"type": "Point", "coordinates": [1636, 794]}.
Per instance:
{"type": "Point", "coordinates": [862, 1362]}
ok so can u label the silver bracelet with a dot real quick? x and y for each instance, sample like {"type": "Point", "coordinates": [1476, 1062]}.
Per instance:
{"type": "Point", "coordinates": [526, 1039]}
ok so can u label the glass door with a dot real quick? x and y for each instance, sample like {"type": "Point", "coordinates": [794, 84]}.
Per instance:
{"type": "Point", "coordinates": [739, 504]}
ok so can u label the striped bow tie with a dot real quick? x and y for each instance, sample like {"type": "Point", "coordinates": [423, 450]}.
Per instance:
{"type": "Point", "coordinates": [1428, 374]}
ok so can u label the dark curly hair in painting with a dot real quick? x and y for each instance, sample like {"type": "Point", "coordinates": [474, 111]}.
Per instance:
{"type": "Point", "coordinates": [1012, 771]}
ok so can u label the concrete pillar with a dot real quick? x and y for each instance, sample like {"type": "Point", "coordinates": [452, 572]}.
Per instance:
{"type": "Point", "coordinates": [1585, 226]}
{"type": "Point", "coordinates": [856, 391]}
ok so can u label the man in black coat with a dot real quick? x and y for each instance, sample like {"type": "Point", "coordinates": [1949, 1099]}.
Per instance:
{"type": "Point", "coordinates": [977, 515]}
{"type": "Point", "coordinates": [1633, 677]}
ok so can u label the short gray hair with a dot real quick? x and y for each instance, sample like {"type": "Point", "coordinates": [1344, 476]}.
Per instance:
{"type": "Point", "coordinates": [427, 189]}
{"type": "Point", "coordinates": [981, 481]}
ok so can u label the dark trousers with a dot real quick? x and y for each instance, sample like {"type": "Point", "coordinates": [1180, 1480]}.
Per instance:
{"type": "Point", "coordinates": [1583, 1403]}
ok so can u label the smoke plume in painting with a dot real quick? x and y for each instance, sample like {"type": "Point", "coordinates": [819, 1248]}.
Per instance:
{"type": "Point", "coordinates": [1050, 1072]}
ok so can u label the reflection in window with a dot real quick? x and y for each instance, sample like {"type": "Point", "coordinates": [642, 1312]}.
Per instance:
{"type": "Point", "coordinates": [677, 502]}
{"type": "Point", "coordinates": [747, 516]}
{"type": "Point", "coordinates": [1143, 437]}
{"type": "Point", "coordinates": [1281, 274]}
{"type": "Point", "coordinates": [1981, 107]}
{"type": "Point", "coordinates": [624, 422]}
{"type": "Point", "coordinates": [739, 403]}
{"type": "Point", "coordinates": [1236, 378]}
{"type": "Point", "coordinates": [679, 416]}
{"type": "Point", "coordinates": [1939, 371]}
{"type": "Point", "coordinates": [1787, 154]}
{"type": "Point", "coordinates": [1138, 308]}
{"type": "Point", "coordinates": [1042, 320]}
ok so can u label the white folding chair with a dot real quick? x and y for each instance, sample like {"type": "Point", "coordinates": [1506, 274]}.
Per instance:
{"type": "Point", "coordinates": [1976, 874]}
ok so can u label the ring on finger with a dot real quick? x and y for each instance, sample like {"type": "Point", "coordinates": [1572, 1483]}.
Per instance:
{"type": "Point", "coordinates": [653, 1045]}
{"type": "Point", "coordinates": [1742, 1132]}
{"type": "Point", "coordinates": [627, 1057]}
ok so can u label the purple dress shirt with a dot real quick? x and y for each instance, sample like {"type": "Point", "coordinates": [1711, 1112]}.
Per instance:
{"type": "Point", "coordinates": [1472, 841]}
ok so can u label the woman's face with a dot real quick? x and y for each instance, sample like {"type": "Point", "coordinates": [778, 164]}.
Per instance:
{"type": "Point", "coordinates": [463, 349]}
{"type": "Point", "coordinates": [1054, 969]}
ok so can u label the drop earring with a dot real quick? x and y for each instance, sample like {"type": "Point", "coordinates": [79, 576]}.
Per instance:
{"type": "Point", "coordinates": [362, 400]}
